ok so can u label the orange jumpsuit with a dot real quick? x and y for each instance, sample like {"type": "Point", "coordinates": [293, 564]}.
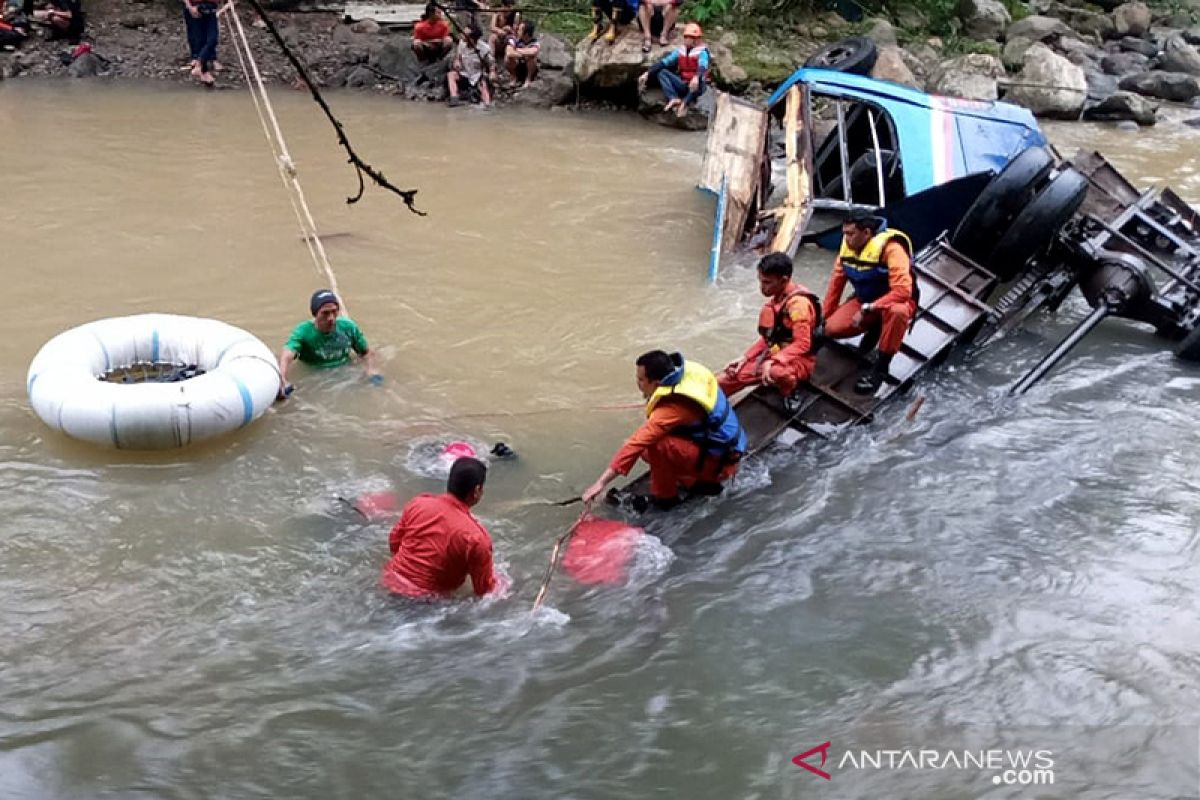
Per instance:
{"type": "Point", "coordinates": [788, 364]}
{"type": "Point", "coordinates": [674, 461]}
{"type": "Point", "coordinates": [436, 545]}
{"type": "Point", "coordinates": [894, 310]}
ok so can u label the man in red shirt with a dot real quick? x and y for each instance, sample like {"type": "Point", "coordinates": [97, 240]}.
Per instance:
{"type": "Point", "coordinates": [438, 543]}
{"type": "Point", "coordinates": [431, 36]}
{"type": "Point", "coordinates": [691, 437]}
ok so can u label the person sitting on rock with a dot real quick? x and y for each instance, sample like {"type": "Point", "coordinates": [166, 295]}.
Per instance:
{"type": "Point", "coordinates": [617, 12]}
{"type": "Point", "coordinates": [670, 13]}
{"type": "Point", "coordinates": [431, 36]}
{"type": "Point", "coordinates": [14, 27]}
{"type": "Point", "coordinates": [683, 72]}
{"type": "Point", "coordinates": [521, 58]}
{"type": "Point", "coordinates": [471, 58]}
{"type": "Point", "coordinates": [64, 18]}
{"type": "Point", "coordinates": [504, 27]}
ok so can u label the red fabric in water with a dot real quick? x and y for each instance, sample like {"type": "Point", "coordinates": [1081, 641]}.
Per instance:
{"type": "Point", "coordinates": [378, 505]}
{"type": "Point", "coordinates": [600, 551]}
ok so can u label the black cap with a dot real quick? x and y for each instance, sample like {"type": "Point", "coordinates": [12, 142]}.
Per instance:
{"type": "Point", "coordinates": [320, 298]}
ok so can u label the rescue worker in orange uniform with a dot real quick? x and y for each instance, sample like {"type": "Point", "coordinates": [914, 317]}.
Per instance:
{"type": "Point", "coordinates": [437, 543]}
{"type": "Point", "coordinates": [691, 437]}
{"type": "Point", "coordinates": [877, 263]}
{"type": "Point", "coordinates": [784, 354]}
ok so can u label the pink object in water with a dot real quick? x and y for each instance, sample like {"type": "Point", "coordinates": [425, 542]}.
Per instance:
{"type": "Point", "coordinates": [378, 505]}
{"type": "Point", "coordinates": [600, 551]}
{"type": "Point", "coordinates": [457, 450]}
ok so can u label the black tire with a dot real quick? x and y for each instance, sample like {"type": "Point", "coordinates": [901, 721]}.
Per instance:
{"type": "Point", "coordinates": [1035, 227]}
{"type": "Point", "coordinates": [1188, 348]}
{"type": "Point", "coordinates": [856, 55]}
{"type": "Point", "coordinates": [999, 203]}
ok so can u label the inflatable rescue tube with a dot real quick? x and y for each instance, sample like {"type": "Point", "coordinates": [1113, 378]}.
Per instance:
{"type": "Point", "coordinates": [151, 381]}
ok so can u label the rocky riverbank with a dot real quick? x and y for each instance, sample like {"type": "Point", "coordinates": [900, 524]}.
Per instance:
{"type": "Point", "coordinates": [1065, 59]}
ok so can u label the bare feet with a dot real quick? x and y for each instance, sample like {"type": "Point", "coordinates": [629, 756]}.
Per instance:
{"type": "Point", "coordinates": [196, 69]}
{"type": "Point", "coordinates": [217, 66]}
{"type": "Point", "coordinates": [526, 84]}
{"type": "Point", "coordinates": [646, 45]}
{"type": "Point", "coordinates": [207, 79]}
{"type": "Point", "coordinates": [662, 41]}
{"type": "Point", "coordinates": [681, 110]}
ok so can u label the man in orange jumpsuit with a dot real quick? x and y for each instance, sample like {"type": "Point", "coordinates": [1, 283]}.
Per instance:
{"type": "Point", "coordinates": [783, 355]}
{"type": "Point", "coordinates": [438, 543]}
{"type": "Point", "coordinates": [691, 437]}
{"type": "Point", "coordinates": [878, 266]}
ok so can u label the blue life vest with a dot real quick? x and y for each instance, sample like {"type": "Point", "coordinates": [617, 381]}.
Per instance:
{"type": "Point", "coordinates": [719, 433]}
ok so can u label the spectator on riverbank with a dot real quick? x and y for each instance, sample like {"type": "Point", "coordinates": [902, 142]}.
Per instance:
{"type": "Point", "coordinates": [473, 62]}
{"type": "Point", "coordinates": [617, 12]}
{"type": "Point", "coordinates": [683, 72]}
{"type": "Point", "coordinates": [64, 20]}
{"type": "Point", "coordinates": [504, 27]}
{"type": "Point", "coordinates": [670, 13]}
{"type": "Point", "coordinates": [14, 27]}
{"type": "Point", "coordinates": [521, 60]}
{"type": "Point", "coordinates": [203, 34]}
{"type": "Point", "coordinates": [431, 36]}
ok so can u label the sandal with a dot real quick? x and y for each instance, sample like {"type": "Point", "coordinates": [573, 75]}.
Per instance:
{"type": "Point", "coordinates": [646, 46]}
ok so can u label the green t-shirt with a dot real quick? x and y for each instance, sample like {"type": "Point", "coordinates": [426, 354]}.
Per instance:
{"type": "Point", "coordinates": [324, 350]}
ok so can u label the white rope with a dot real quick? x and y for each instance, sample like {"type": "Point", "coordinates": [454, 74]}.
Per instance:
{"type": "Point", "coordinates": [283, 159]}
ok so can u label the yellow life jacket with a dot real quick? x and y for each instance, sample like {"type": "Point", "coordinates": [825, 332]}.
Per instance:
{"type": "Point", "coordinates": [866, 270]}
{"type": "Point", "coordinates": [719, 433]}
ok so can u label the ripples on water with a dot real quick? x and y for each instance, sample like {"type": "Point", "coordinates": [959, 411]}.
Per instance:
{"type": "Point", "coordinates": [994, 573]}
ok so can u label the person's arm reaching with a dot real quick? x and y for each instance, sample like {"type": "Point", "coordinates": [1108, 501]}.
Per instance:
{"type": "Point", "coordinates": [837, 285]}
{"type": "Point", "coordinates": [481, 569]}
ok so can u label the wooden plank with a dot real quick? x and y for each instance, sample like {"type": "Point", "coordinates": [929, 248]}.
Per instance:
{"type": "Point", "coordinates": [402, 14]}
{"type": "Point", "coordinates": [733, 154]}
{"type": "Point", "coordinates": [797, 207]}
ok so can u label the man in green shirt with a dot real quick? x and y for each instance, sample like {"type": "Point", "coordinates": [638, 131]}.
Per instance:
{"type": "Point", "coordinates": [325, 342]}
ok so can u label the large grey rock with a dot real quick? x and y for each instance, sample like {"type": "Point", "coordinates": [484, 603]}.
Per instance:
{"type": "Point", "coordinates": [921, 60]}
{"type": "Point", "coordinates": [394, 57]}
{"type": "Point", "coordinates": [604, 66]}
{"type": "Point", "coordinates": [1192, 35]}
{"type": "Point", "coordinates": [1013, 55]}
{"type": "Point", "coordinates": [1132, 44]}
{"type": "Point", "coordinates": [1049, 85]}
{"type": "Point", "coordinates": [1100, 85]}
{"type": "Point", "coordinates": [890, 66]}
{"type": "Point", "coordinates": [1037, 28]}
{"type": "Point", "coordinates": [554, 52]}
{"type": "Point", "coordinates": [360, 78]}
{"type": "Point", "coordinates": [1084, 21]}
{"type": "Point", "coordinates": [1179, 56]}
{"type": "Point", "coordinates": [1121, 106]}
{"type": "Point", "coordinates": [984, 19]}
{"type": "Point", "coordinates": [1124, 63]}
{"type": "Point", "coordinates": [651, 104]}
{"type": "Point", "coordinates": [87, 65]}
{"type": "Point", "coordinates": [550, 89]}
{"type": "Point", "coordinates": [971, 76]}
{"type": "Point", "coordinates": [367, 26]}
{"type": "Point", "coordinates": [1176, 86]}
{"type": "Point", "coordinates": [1131, 19]}
{"type": "Point", "coordinates": [882, 32]}
{"type": "Point", "coordinates": [727, 73]}
{"type": "Point", "coordinates": [1078, 51]}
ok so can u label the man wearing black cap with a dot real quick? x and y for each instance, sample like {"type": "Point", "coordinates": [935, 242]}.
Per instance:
{"type": "Point", "coordinates": [325, 341]}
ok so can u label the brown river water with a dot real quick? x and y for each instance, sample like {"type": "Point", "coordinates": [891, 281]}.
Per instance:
{"type": "Point", "coordinates": [995, 576]}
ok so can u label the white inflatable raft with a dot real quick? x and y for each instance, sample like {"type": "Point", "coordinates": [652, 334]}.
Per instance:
{"type": "Point", "coordinates": [74, 381]}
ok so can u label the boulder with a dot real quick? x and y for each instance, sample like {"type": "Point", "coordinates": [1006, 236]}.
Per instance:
{"type": "Point", "coordinates": [1121, 106]}
{"type": "Point", "coordinates": [1192, 35]}
{"type": "Point", "coordinates": [360, 78]}
{"type": "Point", "coordinates": [429, 82]}
{"type": "Point", "coordinates": [921, 60]}
{"type": "Point", "coordinates": [366, 27]}
{"type": "Point", "coordinates": [1049, 85]}
{"type": "Point", "coordinates": [726, 73]}
{"type": "Point", "coordinates": [984, 19]}
{"type": "Point", "coordinates": [1013, 55]}
{"type": "Point", "coordinates": [651, 104]}
{"type": "Point", "coordinates": [890, 66]}
{"type": "Point", "coordinates": [1085, 21]}
{"type": "Point", "coordinates": [1037, 28]}
{"type": "Point", "coordinates": [87, 65]}
{"type": "Point", "coordinates": [604, 66]}
{"type": "Point", "coordinates": [1179, 56]}
{"type": "Point", "coordinates": [554, 52]}
{"type": "Point", "coordinates": [1121, 64]}
{"type": "Point", "coordinates": [1100, 85]}
{"type": "Point", "coordinates": [1131, 19]}
{"type": "Point", "coordinates": [549, 90]}
{"type": "Point", "coordinates": [1175, 86]}
{"type": "Point", "coordinates": [1132, 44]}
{"type": "Point", "coordinates": [973, 77]}
{"type": "Point", "coordinates": [882, 32]}
{"type": "Point", "coordinates": [394, 57]}
{"type": "Point", "coordinates": [1078, 51]}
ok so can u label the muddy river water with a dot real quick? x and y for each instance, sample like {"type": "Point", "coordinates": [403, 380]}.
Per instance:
{"type": "Point", "coordinates": [994, 577]}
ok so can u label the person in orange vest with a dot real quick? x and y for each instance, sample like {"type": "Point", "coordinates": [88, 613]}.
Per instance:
{"type": "Point", "coordinates": [437, 543]}
{"type": "Point", "coordinates": [682, 73]}
{"type": "Point", "coordinates": [691, 437]}
{"type": "Point", "coordinates": [785, 352]}
{"type": "Point", "coordinates": [877, 263]}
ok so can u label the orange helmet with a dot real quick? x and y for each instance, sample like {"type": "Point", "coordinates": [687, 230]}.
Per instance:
{"type": "Point", "coordinates": [692, 30]}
